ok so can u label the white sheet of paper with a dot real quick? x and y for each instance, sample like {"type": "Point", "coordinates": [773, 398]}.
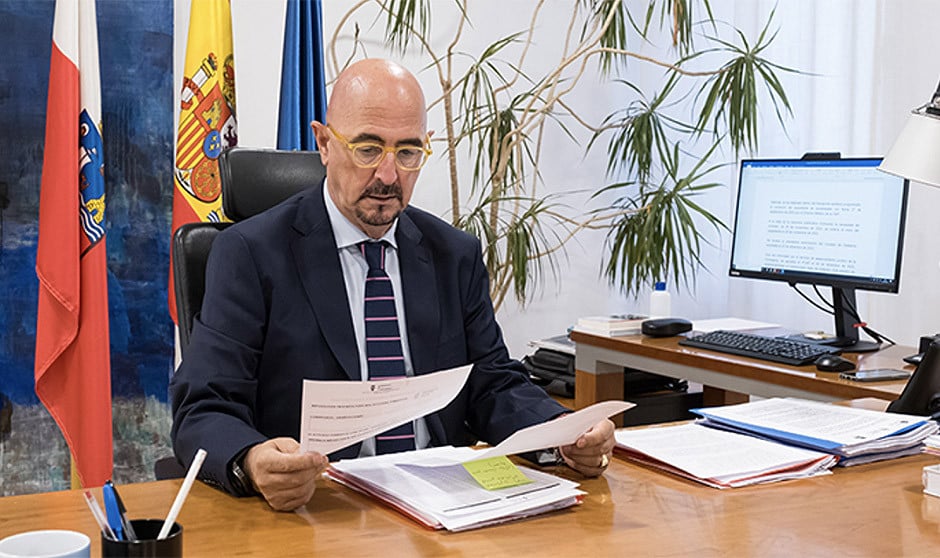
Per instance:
{"type": "Point", "coordinates": [709, 453]}
{"type": "Point", "coordinates": [336, 414]}
{"type": "Point", "coordinates": [561, 431]}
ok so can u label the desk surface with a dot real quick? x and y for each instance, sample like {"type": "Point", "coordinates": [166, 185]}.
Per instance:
{"type": "Point", "coordinates": [599, 358]}
{"type": "Point", "coordinates": [869, 510]}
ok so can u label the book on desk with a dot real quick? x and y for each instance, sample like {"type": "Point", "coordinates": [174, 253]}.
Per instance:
{"type": "Point", "coordinates": [612, 325]}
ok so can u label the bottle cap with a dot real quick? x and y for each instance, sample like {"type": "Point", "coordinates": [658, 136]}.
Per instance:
{"type": "Point", "coordinates": [660, 286]}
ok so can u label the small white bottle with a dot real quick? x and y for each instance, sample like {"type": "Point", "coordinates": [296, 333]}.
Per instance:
{"type": "Point", "coordinates": [660, 302]}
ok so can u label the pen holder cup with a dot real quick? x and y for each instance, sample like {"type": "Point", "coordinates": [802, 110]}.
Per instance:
{"type": "Point", "coordinates": [146, 545]}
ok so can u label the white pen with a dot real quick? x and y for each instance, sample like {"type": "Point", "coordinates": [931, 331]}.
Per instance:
{"type": "Point", "coordinates": [99, 515]}
{"type": "Point", "coordinates": [182, 494]}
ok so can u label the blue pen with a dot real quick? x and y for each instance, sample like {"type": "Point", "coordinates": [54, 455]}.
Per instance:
{"type": "Point", "coordinates": [129, 533]}
{"type": "Point", "coordinates": [113, 511]}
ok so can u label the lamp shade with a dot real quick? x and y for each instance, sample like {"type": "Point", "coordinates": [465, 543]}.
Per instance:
{"type": "Point", "coordinates": [915, 155]}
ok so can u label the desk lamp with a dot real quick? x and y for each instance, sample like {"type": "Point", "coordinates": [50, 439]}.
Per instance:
{"type": "Point", "coordinates": [914, 156]}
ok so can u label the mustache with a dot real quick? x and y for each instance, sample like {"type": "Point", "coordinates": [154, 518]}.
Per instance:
{"type": "Point", "coordinates": [382, 190]}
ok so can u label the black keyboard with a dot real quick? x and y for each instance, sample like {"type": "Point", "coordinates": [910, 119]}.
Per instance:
{"type": "Point", "coordinates": [775, 349]}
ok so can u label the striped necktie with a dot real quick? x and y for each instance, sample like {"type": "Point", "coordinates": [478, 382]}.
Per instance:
{"type": "Point", "coordinates": [383, 341]}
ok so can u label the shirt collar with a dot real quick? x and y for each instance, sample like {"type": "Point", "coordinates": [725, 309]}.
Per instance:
{"type": "Point", "coordinates": [345, 232]}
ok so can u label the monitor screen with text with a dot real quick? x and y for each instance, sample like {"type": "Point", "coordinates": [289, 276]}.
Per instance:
{"type": "Point", "coordinates": [836, 222]}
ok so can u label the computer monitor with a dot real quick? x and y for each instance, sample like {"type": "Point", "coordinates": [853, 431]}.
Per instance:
{"type": "Point", "coordinates": [821, 221]}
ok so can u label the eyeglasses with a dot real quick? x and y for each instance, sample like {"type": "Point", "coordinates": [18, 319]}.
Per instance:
{"type": "Point", "coordinates": [368, 154]}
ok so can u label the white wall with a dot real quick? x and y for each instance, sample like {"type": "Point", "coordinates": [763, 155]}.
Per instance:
{"type": "Point", "coordinates": [870, 68]}
{"type": "Point", "coordinates": [871, 63]}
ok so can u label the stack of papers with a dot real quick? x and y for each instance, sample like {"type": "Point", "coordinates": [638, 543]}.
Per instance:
{"type": "Point", "coordinates": [720, 459]}
{"type": "Point", "coordinates": [618, 324]}
{"type": "Point", "coordinates": [432, 487]}
{"type": "Point", "coordinates": [776, 439]}
{"type": "Point", "coordinates": [855, 435]}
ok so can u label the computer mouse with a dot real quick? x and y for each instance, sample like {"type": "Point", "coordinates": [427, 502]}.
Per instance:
{"type": "Point", "coordinates": [834, 363]}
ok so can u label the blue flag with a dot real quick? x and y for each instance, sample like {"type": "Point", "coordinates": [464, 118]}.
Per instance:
{"type": "Point", "coordinates": [303, 88]}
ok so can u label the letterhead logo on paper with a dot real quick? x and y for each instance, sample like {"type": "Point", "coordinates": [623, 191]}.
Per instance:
{"type": "Point", "coordinates": [382, 388]}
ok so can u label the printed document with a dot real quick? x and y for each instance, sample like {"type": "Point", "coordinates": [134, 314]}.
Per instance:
{"type": "Point", "coordinates": [335, 414]}
{"type": "Point", "coordinates": [561, 431]}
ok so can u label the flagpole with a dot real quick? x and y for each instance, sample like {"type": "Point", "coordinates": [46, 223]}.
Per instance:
{"type": "Point", "coordinates": [76, 481]}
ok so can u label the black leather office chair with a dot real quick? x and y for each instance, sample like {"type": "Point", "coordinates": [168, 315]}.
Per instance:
{"type": "Point", "coordinates": [252, 180]}
{"type": "Point", "coordinates": [256, 179]}
{"type": "Point", "coordinates": [191, 245]}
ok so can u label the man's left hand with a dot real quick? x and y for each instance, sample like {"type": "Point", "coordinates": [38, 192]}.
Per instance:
{"type": "Point", "coordinates": [591, 453]}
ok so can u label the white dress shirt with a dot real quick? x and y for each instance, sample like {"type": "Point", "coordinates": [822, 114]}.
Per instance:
{"type": "Point", "coordinates": [355, 269]}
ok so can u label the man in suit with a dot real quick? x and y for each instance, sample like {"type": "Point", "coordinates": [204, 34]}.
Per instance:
{"type": "Point", "coordinates": [284, 302]}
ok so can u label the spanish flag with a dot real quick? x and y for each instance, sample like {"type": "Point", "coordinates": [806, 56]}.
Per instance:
{"type": "Point", "coordinates": [73, 364]}
{"type": "Point", "coordinates": [207, 117]}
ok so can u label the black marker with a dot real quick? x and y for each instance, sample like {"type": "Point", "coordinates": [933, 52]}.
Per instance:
{"type": "Point", "coordinates": [125, 523]}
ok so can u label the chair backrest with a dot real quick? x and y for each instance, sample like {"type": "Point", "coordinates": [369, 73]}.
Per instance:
{"type": "Point", "coordinates": [253, 180]}
{"type": "Point", "coordinates": [256, 179]}
{"type": "Point", "coordinates": [191, 245]}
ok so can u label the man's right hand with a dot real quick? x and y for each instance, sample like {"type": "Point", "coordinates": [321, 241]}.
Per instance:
{"type": "Point", "coordinates": [285, 477]}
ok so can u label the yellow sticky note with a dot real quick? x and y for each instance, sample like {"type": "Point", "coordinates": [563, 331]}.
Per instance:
{"type": "Point", "coordinates": [495, 473]}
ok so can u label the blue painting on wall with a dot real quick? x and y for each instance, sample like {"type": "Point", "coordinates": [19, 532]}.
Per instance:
{"type": "Point", "coordinates": [136, 64]}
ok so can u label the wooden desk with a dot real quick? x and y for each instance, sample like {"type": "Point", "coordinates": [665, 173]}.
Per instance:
{"type": "Point", "coordinates": [869, 510]}
{"type": "Point", "coordinates": [600, 360]}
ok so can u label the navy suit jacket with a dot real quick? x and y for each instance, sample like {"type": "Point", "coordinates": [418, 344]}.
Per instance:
{"type": "Point", "coordinates": [275, 312]}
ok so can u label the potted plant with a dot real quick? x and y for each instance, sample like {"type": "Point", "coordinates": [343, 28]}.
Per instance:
{"type": "Point", "coordinates": [499, 110]}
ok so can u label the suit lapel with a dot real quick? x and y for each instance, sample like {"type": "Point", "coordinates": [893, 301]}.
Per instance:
{"type": "Point", "coordinates": [419, 284]}
{"type": "Point", "coordinates": [322, 277]}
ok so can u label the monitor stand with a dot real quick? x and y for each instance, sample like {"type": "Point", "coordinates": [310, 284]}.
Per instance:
{"type": "Point", "coordinates": [843, 302]}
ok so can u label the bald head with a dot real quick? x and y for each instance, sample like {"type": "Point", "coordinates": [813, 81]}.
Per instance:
{"type": "Point", "coordinates": [375, 87]}
{"type": "Point", "coordinates": [376, 108]}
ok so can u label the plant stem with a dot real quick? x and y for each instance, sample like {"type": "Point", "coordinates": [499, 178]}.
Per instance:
{"type": "Point", "coordinates": [451, 151]}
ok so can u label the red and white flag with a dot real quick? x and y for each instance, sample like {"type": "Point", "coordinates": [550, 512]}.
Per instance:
{"type": "Point", "coordinates": [73, 364]}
